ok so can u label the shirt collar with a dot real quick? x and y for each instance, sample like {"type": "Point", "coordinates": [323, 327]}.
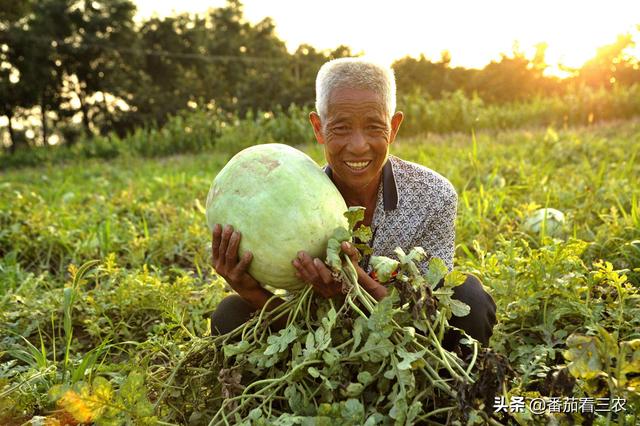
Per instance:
{"type": "Point", "coordinates": [389, 188]}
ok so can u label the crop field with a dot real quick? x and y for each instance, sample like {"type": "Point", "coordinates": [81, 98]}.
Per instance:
{"type": "Point", "coordinates": [106, 281]}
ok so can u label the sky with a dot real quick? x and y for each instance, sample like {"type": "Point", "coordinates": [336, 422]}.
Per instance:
{"type": "Point", "coordinates": [473, 31]}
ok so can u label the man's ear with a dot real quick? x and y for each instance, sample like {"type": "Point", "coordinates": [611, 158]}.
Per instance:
{"type": "Point", "coordinates": [314, 118]}
{"type": "Point", "coordinates": [396, 121]}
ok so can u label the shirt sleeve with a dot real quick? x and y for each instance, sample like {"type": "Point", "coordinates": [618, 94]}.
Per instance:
{"type": "Point", "coordinates": [438, 233]}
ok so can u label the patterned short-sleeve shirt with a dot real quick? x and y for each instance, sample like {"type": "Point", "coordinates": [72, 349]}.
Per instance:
{"type": "Point", "coordinates": [416, 207]}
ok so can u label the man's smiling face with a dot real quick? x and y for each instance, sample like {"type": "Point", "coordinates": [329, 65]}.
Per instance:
{"type": "Point", "coordinates": [356, 134]}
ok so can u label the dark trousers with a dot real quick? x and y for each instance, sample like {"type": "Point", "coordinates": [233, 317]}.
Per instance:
{"type": "Point", "coordinates": [233, 311]}
{"type": "Point", "coordinates": [480, 320]}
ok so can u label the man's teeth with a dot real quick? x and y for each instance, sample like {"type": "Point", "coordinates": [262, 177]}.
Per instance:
{"type": "Point", "coordinates": [358, 165]}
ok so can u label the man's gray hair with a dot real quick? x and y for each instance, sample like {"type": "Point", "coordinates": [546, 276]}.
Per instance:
{"type": "Point", "coordinates": [357, 73]}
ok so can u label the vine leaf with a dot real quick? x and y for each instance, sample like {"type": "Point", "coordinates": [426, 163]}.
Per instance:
{"type": "Point", "coordinates": [280, 342]}
{"type": "Point", "coordinates": [584, 356]}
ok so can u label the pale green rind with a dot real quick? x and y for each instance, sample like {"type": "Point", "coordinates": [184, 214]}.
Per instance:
{"type": "Point", "coordinates": [281, 202]}
{"type": "Point", "coordinates": [554, 220]}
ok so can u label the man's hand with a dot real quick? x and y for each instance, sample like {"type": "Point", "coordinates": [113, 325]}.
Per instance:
{"type": "Point", "coordinates": [224, 251]}
{"type": "Point", "coordinates": [316, 273]}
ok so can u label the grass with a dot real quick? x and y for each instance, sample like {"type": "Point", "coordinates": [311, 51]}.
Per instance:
{"type": "Point", "coordinates": [127, 316]}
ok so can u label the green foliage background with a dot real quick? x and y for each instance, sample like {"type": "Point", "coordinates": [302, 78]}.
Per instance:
{"type": "Point", "coordinates": [75, 69]}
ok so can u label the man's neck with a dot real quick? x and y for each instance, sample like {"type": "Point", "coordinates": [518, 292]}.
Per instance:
{"type": "Point", "coordinates": [363, 196]}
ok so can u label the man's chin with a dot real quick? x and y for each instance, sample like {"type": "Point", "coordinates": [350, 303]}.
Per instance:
{"type": "Point", "coordinates": [357, 181]}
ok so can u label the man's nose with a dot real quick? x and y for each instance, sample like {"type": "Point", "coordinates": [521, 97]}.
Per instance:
{"type": "Point", "coordinates": [358, 143]}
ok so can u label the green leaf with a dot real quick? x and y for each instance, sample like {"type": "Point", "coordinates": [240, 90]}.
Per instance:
{"type": "Point", "coordinates": [353, 390]}
{"type": "Point", "coordinates": [297, 402]}
{"type": "Point", "coordinates": [402, 256]}
{"type": "Point", "coordinates": [329, 319]}
{"type": "Point", "coordinates": [583, 355]}
{"type": "Point", "coordinates": [331, 357]}
{"type": "Point", "coordinates": [333, 254]}
{"type": "Point", "coordinates": [445, 296]}
{"type": "Point", "coordinates": [341, 234]}
{"type": "Point", "coordinates": [408, 358]}
{"type": "Point", "coordinates": [313, 372]}
{"type": "Point", "coordinates": [417, 254]}
{"type": "Point", "coordinates": [323, 339]}
{"type": "Point", "coordinates": [414, 411]}
{"type": "Point", "coordinates": [436, 272]}
{"type": "Point", "coordinates": [143, 408]}
{"type": "Point", "coordinates": [454, 278]}
{"type": "Point", "coordinates": [255, 414]}
{"type": "Point", "coordinates": [383, 267]}
{"type": "Point", "coordinates": [363, 233]}
{"type": "Point", "coordinates": [133, 388]}
{"type": "Point", "coordinates": [353, 411]}
{"type": "Point", "coordinates": [390, 373]}
{"type": "Point", "coordinates": [239, 348]}
{"type": "Point", "coordinates": [375, 419]}
{"type": "Point", "coordinates": [399, 410]}
{"type": "Point", "coordinates": [377, 348]}
{"type": "Point", "coordinates": [310, 344]}
{"type": "Point", "coordinates": [380, 319]}
{"type": "Point", "coordinates": [358, 329]}
{"type": "Point", "coordinates": [365, 377]}
{"type": "Point", "coordinates": [354, 215]}
{"type": "Point", "coordinates": [280, 342]}
{"type": "Point", "coordinates": [630, 364]}
{"type": "Point", "coordinates": [459, 308]}
{"type": "Point", "coordinates": [363, 248]}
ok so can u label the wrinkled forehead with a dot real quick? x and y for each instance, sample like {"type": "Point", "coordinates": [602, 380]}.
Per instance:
{"type": "Point", "coordinates": [349, 100]}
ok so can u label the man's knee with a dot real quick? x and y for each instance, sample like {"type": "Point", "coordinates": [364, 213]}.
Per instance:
{"type": "Point", "coordinates": [482, 317]}
{"type": "Point", "coordinates": [231, 312]}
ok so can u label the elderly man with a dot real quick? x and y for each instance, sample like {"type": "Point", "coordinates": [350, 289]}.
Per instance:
{"type": "Point", "coordinates": [407, 205]}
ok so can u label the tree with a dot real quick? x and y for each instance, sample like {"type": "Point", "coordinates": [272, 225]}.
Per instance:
{"type": "Point", "coordinates": [14, 10]}
{"type": "Point", "coordinates": [173, 67]}
{"type": "Point", "coordinates": [268, 80]}
{"type": "Point", "coordinates": [425, 76]}
{"type": "Point", "coordinates": [611, 65]}
{"type": "Point", "coordinates": [13, 16]}
{"type": "Point", "coordinates": [514, 78]}
{"type": "Point", "coordinates": [217, 58]}
{"type": "Point", "coordinates": [305, 63]}
{"type": "Point", "coordinates": [101, 56]}
{"type": "Point", "coordinates": [9, 97]}
{"type": "Point", "coordinates": [42, 67]}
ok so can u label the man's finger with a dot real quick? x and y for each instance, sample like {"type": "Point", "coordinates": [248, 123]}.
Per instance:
{"type": "Point", "coordinates": [245, 261]}
{"type": "Point", "coordinates": [224, 242]}
{"type": "Point", "coordinates": [303, 274]}
{"type": "Point", "coordinates": [323, 272]}
{"type": "Point", "coordinates": [301, 271]}
{"type": "Point", "coordinates": [231, 257]}
{"type": "Point", "coordinates": [307, 267]}
{"type": "Point", "coordinates": [215, 241]}
{"type": "Point", "coordinates": [350, 251]}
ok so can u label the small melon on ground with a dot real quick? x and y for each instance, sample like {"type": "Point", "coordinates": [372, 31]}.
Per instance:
{"type": "Point", "coordinates": [551, 220]}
